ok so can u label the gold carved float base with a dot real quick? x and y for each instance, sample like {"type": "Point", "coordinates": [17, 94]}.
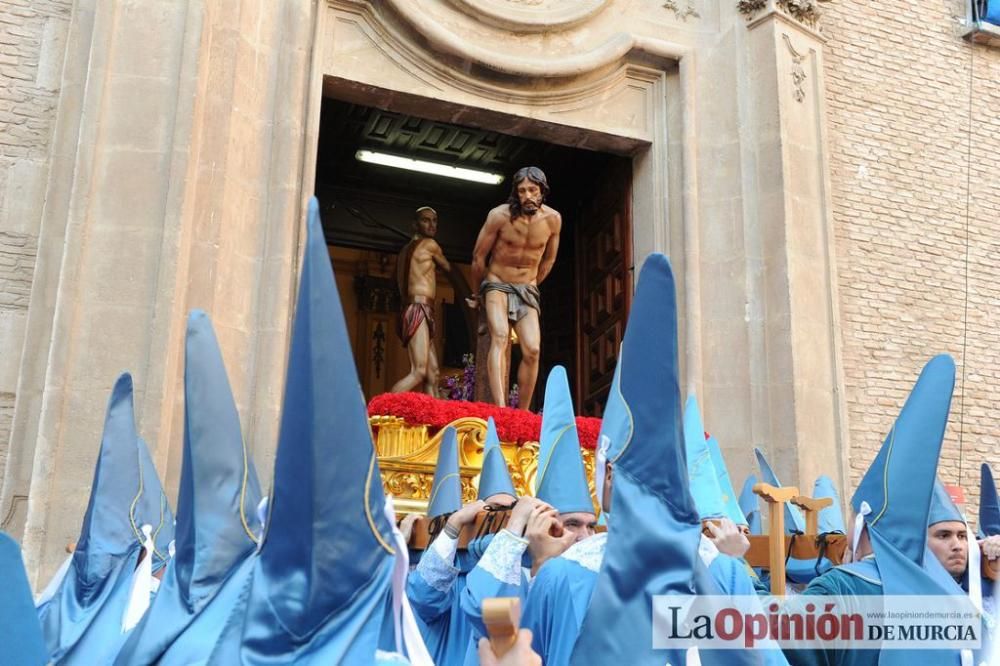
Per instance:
{"type": "Point", "coordinates": [407, 456]}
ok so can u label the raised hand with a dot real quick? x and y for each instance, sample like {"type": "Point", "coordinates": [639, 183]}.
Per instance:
{"type": "Point", "coordinates": [728, 538]}
{"type": "Point", "coordinates": [545, 535]}
{"type": "Point", "coordinates": [465, 516]}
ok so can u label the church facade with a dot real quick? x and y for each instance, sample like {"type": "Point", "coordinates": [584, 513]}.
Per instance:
{"type": "Point", "coordinates": [819, 174]}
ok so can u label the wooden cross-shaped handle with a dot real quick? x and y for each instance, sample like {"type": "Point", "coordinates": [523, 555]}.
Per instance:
{"type": "Point", "coordinates": [502, 617]}
{"type": "Point", "coordinates": [810, 508]}
{"type": "Point", "coordinates": [776, 498]}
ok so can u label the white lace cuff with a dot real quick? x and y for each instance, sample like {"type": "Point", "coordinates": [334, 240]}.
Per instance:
{"type": "Point", "coordinates": [436, 571]}
{"type": "Point", "coordinates": [589, 552]}
{"type": "Point", "coordinates": [707, 550]}
{"type": "Point", "coordinates": [445, 547]}
{"type": "Point", "coordinates": [502, 558]}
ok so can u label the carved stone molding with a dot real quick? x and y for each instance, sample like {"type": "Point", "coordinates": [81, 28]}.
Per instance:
{"type": "Point", "coordinates": [749, 8]}
{"type": "Point", "coordinates": [682, 13]}
{"type": "Point", "coordinates": [608, 49]}
{"type": "Point", "coordinates": [531, 15]}
{"type": "Point", "coordinates": [805, 12]}
{"type": "Point", "coordinates": [612, 91]}
{"type": "Point", "coordinates": [798, 71]}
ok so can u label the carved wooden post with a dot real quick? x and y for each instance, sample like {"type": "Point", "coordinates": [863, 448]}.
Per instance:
{"type": "Point", "coordinates": [776, 498]}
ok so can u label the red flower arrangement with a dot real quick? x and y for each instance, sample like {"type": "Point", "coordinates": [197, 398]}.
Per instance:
{"type": "Point", "coordinates": [513, 425]}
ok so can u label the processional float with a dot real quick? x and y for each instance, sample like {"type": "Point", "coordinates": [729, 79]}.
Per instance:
{"type": "Point", "coordinates": [408, 454]}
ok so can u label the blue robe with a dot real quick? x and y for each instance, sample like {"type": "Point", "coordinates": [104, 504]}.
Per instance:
{"type": "Point", "coordinates": [97, 641]}
{"type": "Point", "coordinates": [497, 574]}
{"type": "Point", "coordinates": [561, 592]}
{"type": "Point", "coordinates": [850, 580]}
{"type": "Point", "coordinates": [559, 597]}
{"type": "Point", "coordinates": [435, 591]}
{"type": "Point", "coordinates": [195, 642]}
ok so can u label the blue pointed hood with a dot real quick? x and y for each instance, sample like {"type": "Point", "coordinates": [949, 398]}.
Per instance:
{"type": "Point", "coordinates": [898, 488]}
{"type": "Point", "coordinates": [446, 491]}
{"type": "Point", "coordinates": [989, 504]}
{"type": "Point", "coordinates": [795, 522]}
{"type": "Point", "coordinates": [654, 527]}
{"type": "Point", "coordinates": [321, 582]}
{"type": "Point", "coordinates": [561, 479]}
{"type": "Point", "coordinates": [702, 477]}
{"type": "Point", "coordinates": [729, 498]}
{"type": "Point", "coordinates": [108, 530]}
{"type": "Point", "coordinates": [750, 504]}
{"type": "Point", "coordinates": [899, 484]}
{"type": "Point", "coordinates": [85, 612]}
{"type": "Point", "coordinates": [943, 508]}
{"type": "Point", "coordinates": [153, 508]}
{"type": "Point", "coordinates": [216, 509]}
{"type": "Point", "coordinates": [17, 610]}
{"type": "Point", "coordinates": [217, 524]}
{"type": "Point", "coordinates": [494, 477]}
{"type": "Point", "coordinates": [831, 520]}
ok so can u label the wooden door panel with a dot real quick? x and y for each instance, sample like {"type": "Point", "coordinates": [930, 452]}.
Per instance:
{"type": "Point", "coordinates": [604, 284]}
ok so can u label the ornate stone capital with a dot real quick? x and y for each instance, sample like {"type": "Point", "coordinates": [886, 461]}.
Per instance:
{"type": "Point", "coordinates": [806, 12]}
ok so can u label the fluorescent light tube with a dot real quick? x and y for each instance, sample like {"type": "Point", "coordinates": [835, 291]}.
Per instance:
{"type": "Point", "coordinates": [398, 162]}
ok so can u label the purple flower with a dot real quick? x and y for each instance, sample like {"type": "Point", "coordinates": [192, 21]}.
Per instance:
{"type": "Point", "coordinates": [514, 397]}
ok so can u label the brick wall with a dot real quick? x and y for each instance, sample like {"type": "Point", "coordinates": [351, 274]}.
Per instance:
{"type": "Point", "coordinates": [917, 231]}
{"type": "Point", "coordinates": [32, 47]}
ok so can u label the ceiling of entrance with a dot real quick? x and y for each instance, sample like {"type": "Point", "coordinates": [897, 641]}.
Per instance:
{"type": "Point", "coordinates": [371, 206]}
{"type": "Point", "coordinates": [352, 125]}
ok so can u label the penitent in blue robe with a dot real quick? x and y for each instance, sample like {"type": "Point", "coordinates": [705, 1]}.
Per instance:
{"type": "Point", "coordinates": [559, 597]}
{"type": "Point", "coordinates": [859, 579]}
{"type": "Point", "coordinates": [561, 593]}
{"type": "Point", "coordinates": [497, 574]}
{"type": "Point", "coordinates": [435, 591]}
{"type": "Point", "coordinates": [195, 643]}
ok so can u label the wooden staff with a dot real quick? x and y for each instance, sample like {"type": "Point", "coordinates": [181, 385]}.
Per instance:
{"type": "Point", "coordinates": [502, 617]}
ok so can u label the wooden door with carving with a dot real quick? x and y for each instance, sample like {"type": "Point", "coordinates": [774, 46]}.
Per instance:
{"type": "Point", "coordinates": [604, 283]}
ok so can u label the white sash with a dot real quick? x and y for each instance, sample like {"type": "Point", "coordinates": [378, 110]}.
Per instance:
{"type": "Point", "coordinates": [142, 585]}
{"type": "Point", "coordinates": [406, 629]}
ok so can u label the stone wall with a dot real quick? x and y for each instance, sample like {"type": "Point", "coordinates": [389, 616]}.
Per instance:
{"type": "Point", "coordinates": [175, 181]}
{"type": "Point", "coordinates": [917, 236]}
{"type": "Point", "coordinates": [32, 45]}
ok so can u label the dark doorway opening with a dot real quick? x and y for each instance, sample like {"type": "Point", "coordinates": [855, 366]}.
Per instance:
{"type": "Point", "coordinates": [367, 211]}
